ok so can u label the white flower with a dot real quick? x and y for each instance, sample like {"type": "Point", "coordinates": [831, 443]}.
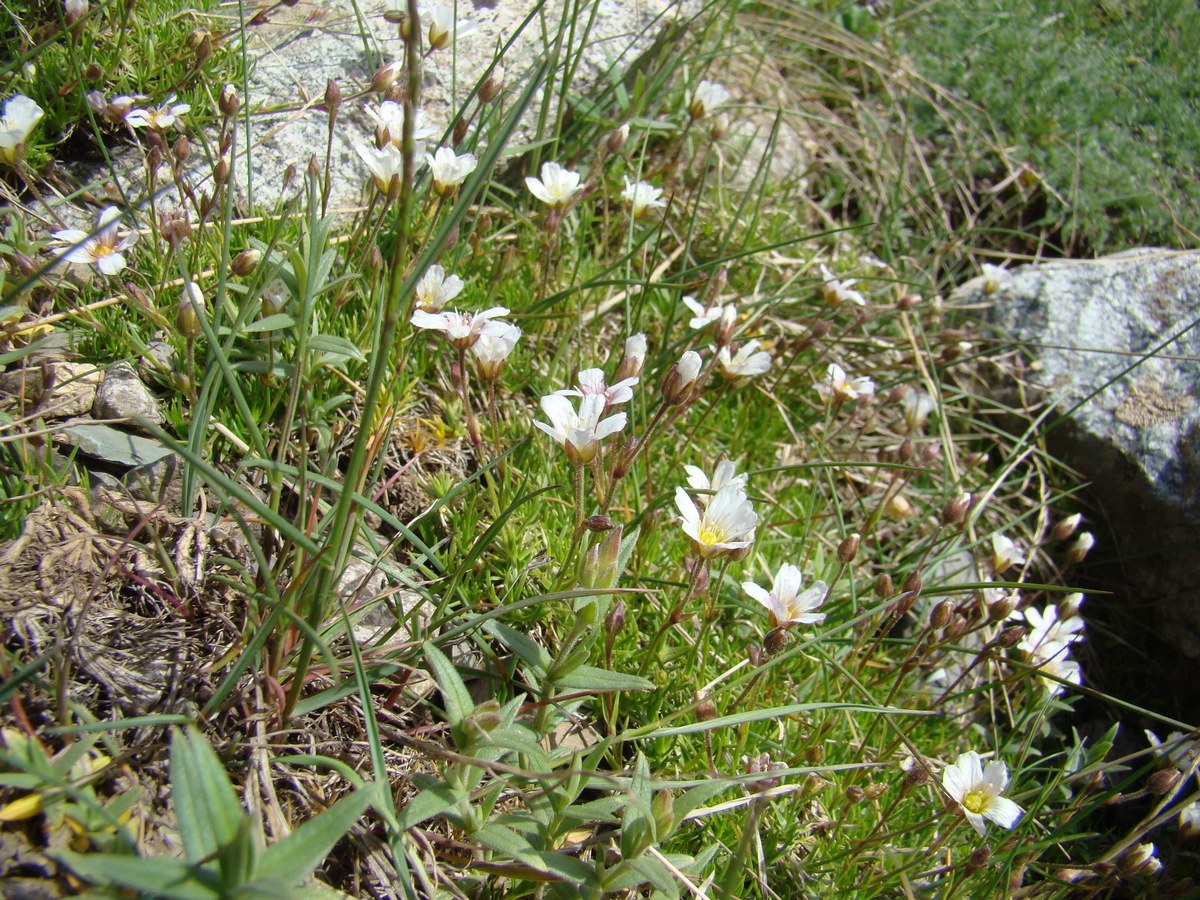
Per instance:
{"type": "Point", "coordinates": [102, 249]}
{"type": "Point", "coordinates": [703, 317]}
{"type": "Point", "coordinates": [579, 433]}
{"type": "Point", "coordinates": [449, 169]}
{"type": "Point", "coordinates": [556, 187]}
{"type": "Point", "coordinates": [160, 118]}
{"type": "Point", "coordinates": [493, 348]}
{"type": "Point", "coordinates": [707, 97]}
{"type": "Point", "coordinates": [21, 116]}
{"type": "Point", "coordinates": [1062, 668]}
{"type": "Point", "coordinates": [641, 196]}
{"type": "Point", "coordinates": [724, 474]}
{"type": "Point", "coordinates": [977, 790]}
{"type": "Point", "coordinates": [1005, 554]}
{"type": "Point", "coordinates": [1140, 860]}
{"type": "Point", "coordinates": [726, 524]}
{"type": "Point", "coordinates": [442, 27]}
{"type": "Point", "coordinates": [386, 165]}
{"type": "Point", "coordinates": [785, 603]}
{"type": "Point", "coordinates": [389, 126]}
{"type": "Point", "coordinates": [746, 363]}
{"type": "Point", "coordinates": [839, 387]}
{"type": "Point", "coordinates": [435, 289]}
{"type": "Point", "coordinates": [591, 381]}
{"type": "Point", "coordinates": [462, 329]}
{"type": "Point", "coordinates": [917, 407]}
{"type": "Point", "coordinates": [1049, 636]}
{"type": "Point", "coordinates": [1179, 749]}
{"type": "Point", "coordinates": [838, 292]}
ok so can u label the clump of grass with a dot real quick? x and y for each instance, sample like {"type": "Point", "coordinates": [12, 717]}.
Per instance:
{"type": "Point", "coordinates": [716, 579]}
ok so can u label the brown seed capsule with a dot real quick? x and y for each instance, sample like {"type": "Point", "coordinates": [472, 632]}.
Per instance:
{"type": "Point", "coordinates": [884, 587]}
{"type": "Point", "coordinates": [957, 626]}
{"type": "Point", "coordinates": [776, 641]}
{"type": "Point", "coordinates": [333, 98]}
{"type": "Point", "coordinates": [245, 262]}
{"type": "Point", "coordinates": [93, 72]}
{"type": "Point", "coordinates": [855, 794]}
{"type": "Point", "coordinates": [909, 302]}
{"type": "Point", "coordinates": [617, 139]}
{"type": "Point", "coordinates": [955, 512]}
{"type": "Point", "coordinates": [705, 710]}
{"type": "Point", "coordinates": [181, 149]}
{"type": "Point", "coordinates": [228, 103]}
{"type": "Point", "coordinates": [912, 584]}
{"type": "Point", "coordinates": [848, 549]}
{"type": "Point", "coordinates": [941, 614]}
{"type": "Point", "coordinates": [875, 790]}
{"type": "Point", "coordinates": [754, 655]}
{"type": "Point", "coordinates": [815, 754]}
{"type": "Point", "coordinates": [1010, 637]}
{"type": "Point", "coordinates": [897, 394]}
{"type": "Point", "coordinates": [1163, 780]}
{"type": "Point", "coordinates": [492, 85]}
{"type": "Point", "coordinates": [598, 523]}
{"type": "Point", "coordinates": [615, 620]}
{"type": "Point", "coordinates": [977, 860]}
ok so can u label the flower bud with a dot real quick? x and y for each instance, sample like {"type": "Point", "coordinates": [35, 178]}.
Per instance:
{"type": "Point", "coordinates": [909, 302]}
{"type": "Point", "coordinates": [600, 562]}
{"type": "Point", "coordinates": [492, 85]}
{"type": "Point", "coordinates": [1010, 637]}
{"type": "Point", "coordinates": [848, 549]}
{"type": "Point", "coordinates": [384, 77]}
{"type": "Point", "coordinates": [815, 754]}
{"type": "Point", "coordinates": [898, 393]}
{"type": "Point", "coordinates": [884, 587]}
{"type": "Point", "coordinates": [1140, 860]}
{"type": "Point", "coordinates": [221, 171]}
{"type": "Point", "coordinates": [598, 523]}
{"type": "Point", "coordinates": [941, 614]}
{"type": "Point", "coordinates": [1064, 528]}
{"type": "Point", "coordinates": [617, 139]}
{"type": "Point", "coordinates": [1068, 606]}
{"type": "Point", "coordinates": [634, 359]}
{"type": "Point", "coordinates": [1081, 546]}
{"type": "Point", "coordinates": [912, 584]}
{"type": "Point", "coordinates": [957, 626]}
{"type": "Point", "coordinates": [705, 710]}
{"type": "Point", "coordinates": [677, 387]}
{"type": "Point", "coordinates": [187, 317]}
{"type": "Point", "coordinates": [333, 99]}
{"type": "Point", "coordinates": [906, 451]}
{"type": "Point", "coordinates": [245, 262]}
{"type": "Point", "coordinates": [855, 794]}
{"type": "Point", "coordinates": [955, 512]}
{"type": "Point", "coordinates": [977, 861]}
{"type": "Point", "coordinates": [623, 461]}
{"type": "Point", "coordinates": [93, 72]}
{"type": "Point", "coordinates": [1000, 609]}
{"type": "Point", "coordinates": [614, 622]}
{"type": "Point", "coordinates": [754, 655]}
{"type": "Point", "coordinates": [1163, 781]}
{"type": "Point", "coordinates": [181, 149]}
{"type": "Point", "coordinates": [662, 810]}
{"type": "Point", "coordinates": [138, 296]}
{"type": "Point", "coordinates": [175, 226]}
{"type": "Point", "coordinates": [74, 10]}
{"type": "Point", "coordinates": [228, 103]}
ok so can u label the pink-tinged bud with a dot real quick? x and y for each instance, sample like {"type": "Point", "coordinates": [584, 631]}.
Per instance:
{"type": "Point", "coordinates": [93, 72]}
{"type": "Point", "coordinates": [1163, 781]}
{"type": "Point", "coordinates": [855, 794]}
{"type": "Point", "coordinates": [181, 149]}
{"type": "Point", "coordinates": [1081, 547]}
{"type": "Point", "coordinates": [754, 655]}
{"type": "Point", "coordinates": [1001, 609]}
{"type": "Point", "coordinates": [634, 359]}
{"type": "Point", "coordinates": [625, 457]}
{"type": "Point", "coordinates": [598, 523]}
{"type": "Point", "coordinates": [897, 394]}
{"type": "Point", "coordinates": [138, 296]}
{"type": "Point", "coordinates": [906, 451]}
{"type": "Point", "coordinates": [614, 622]}
{"type": "Point", "coordinates": [677, 387]}
{"type": "Point", "coordinates": [705, 710]}
{"type": "Point", "coordinates": [1065, 528]}
{"type": "Point", "coordinates": [98, 103]}
{"type": "Point", "coordinates": [74, 10]}
{"type": "Point", "coordinates": [909, 302]}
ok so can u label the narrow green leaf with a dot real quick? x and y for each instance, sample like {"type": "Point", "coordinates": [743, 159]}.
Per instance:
{"type": "Point", "coordinates": [293, 859]}
{"type": "Point", "coordinates": [774, 712]}
{"type": "Point", "coordinates": [454, 692]}
{"type": "Point", "coordinates": [276, 322]}
{"type": "Point", "coordinates": [159, 876]}
{"type": "Point", "coordinates": [206, 806]}
{"type": "Point", "coordinates": [335, 346]}
{"type": "Point", "coordinates": [510, 843]}
{"type": "Point", "coordinates": [526, 648]}
{"type": "Point", "coordinates": [430, 802]}
{"type": "Point", "coordinates": [591, 678]}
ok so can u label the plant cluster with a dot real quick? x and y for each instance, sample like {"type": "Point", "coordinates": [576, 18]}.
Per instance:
{"type": "Point", "coordinates": [627, 398]}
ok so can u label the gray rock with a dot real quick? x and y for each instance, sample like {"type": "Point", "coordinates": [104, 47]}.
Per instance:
{"type": "Point", "coordinates": [159, 482]}
{"type": "Point", "coordinates": [123, 396]}
{"type": "Point", "coordinates": [1112, 343]}
{"type": "Point", "coordinates": [305, 45]}
{"type": "Point", "coordinates": [72, 388]}
{"type": "Point", "coordinates": [111, 445]}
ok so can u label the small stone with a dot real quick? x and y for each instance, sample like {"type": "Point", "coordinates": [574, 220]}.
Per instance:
{"type": "Point", "coordinates": [123, 396]}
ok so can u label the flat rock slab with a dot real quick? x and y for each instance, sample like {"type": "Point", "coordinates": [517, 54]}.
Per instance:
{"type": "Point", "coordinates": [306, 45]}
{"type": "Point", "coordinates": [111, 445]}
{"type": "Point", "coordinates": [1115, 342]}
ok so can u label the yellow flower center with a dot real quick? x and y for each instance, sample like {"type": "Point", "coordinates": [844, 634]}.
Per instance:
{"type": "Point", "coordinates": [709, 535]}
{"type": "Point", "coordinates": [976, 801]}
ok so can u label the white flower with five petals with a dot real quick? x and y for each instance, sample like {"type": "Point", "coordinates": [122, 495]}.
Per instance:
{"type": "Point", "coordinates": [449, 169]}
{"type": "Point", "coordinates": [785, 602]}
{"type": "Point", "coordinates": [746, 363]}
{"type": "Point", "coordinates": [103, 249]}
{"type": "Point", "coordinates": [580, 432]}
{"type": "Point", "coordinates": [978, 791]}
{"type": "Point", "coordinates": [724, 525]}
{"type": "Point", "coordinates": [21, 116]}
{"type": "Point", "coordinates": [435, 289]}
{"type": "Point", "coordinates": [557, 186]}
{"type": "Point", "coordinates": [462, 329]}
{"type": "Point", "coordinates": [725, 474]}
